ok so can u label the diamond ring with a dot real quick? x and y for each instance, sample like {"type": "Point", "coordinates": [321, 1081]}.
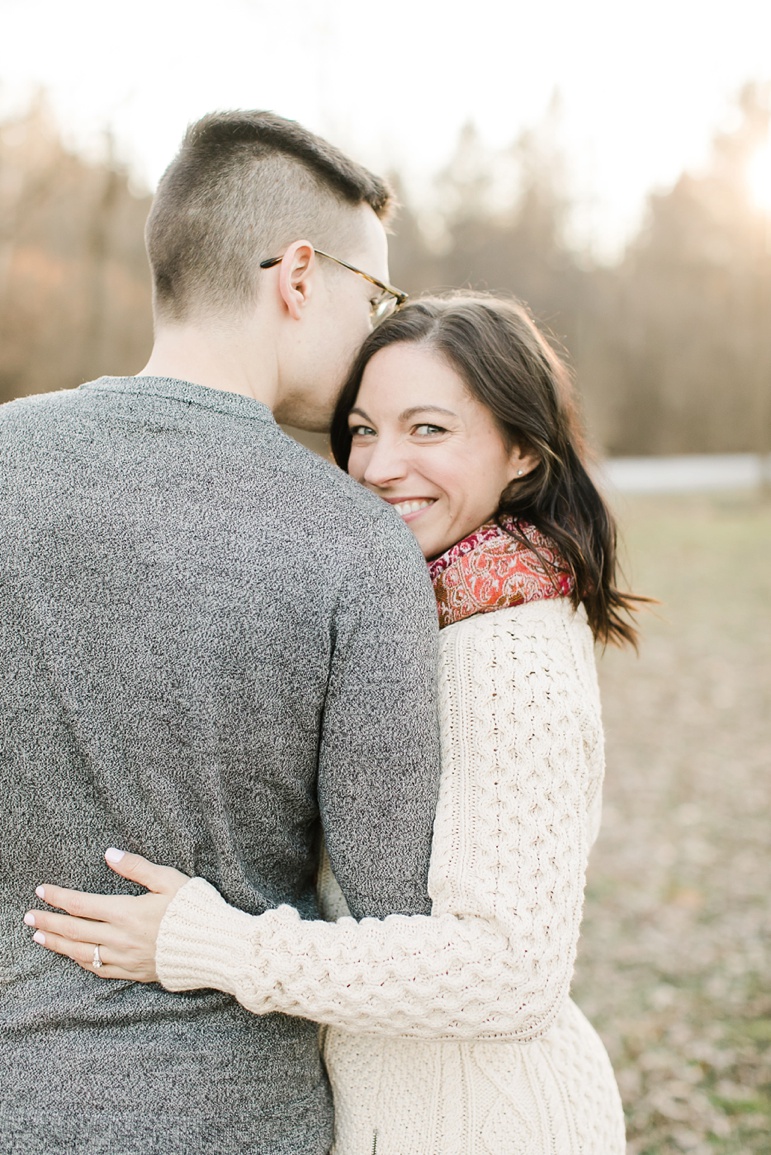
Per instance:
{"type": "Point", "coordinates": [97, 959]}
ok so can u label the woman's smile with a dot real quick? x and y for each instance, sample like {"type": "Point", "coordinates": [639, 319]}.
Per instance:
{"type": "Point", "coordinates": [409, 508]}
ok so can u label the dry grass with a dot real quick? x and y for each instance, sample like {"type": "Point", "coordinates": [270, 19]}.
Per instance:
{"type": "Point", "coordinates": [675, 958]}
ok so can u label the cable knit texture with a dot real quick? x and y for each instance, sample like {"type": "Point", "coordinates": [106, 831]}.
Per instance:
{"type": "Point", "coordinates": [455, 1033]}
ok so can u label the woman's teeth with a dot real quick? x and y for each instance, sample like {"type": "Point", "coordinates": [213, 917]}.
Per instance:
{"type": "Point", "coordinates": [405, 507]}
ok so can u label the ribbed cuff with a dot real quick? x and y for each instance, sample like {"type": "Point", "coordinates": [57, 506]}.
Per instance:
{"type": "Point", "coordinates": [202, 940]}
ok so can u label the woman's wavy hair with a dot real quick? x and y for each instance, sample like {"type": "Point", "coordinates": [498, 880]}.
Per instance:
{"type": "Point", "coordinates": [509, 366]}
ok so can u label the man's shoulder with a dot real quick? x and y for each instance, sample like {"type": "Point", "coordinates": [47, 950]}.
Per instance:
{"type": "Point", "coordinates": [29, 425]}
{"type": "Point", "coordinates": [342, 499]}
{"type": "Point", "coordinates": [355, 531]}
{"type": "Point", "coordinates": [38, 404]}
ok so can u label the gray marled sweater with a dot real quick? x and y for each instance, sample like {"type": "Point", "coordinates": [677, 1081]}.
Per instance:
{"type": "Point", "coordinates": [212, 644]}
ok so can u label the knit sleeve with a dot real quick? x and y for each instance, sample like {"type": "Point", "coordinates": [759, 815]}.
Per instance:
{"type": "Point", "coordinates": [379, 746]}
{"type": "Point", "coordinates": [522, 762]}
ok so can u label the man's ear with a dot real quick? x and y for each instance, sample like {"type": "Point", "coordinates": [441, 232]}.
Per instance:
{"type": "Point", "coordinates": [295, 277]}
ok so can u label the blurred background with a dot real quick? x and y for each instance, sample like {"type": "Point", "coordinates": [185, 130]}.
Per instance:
{"type": "Point", "coordinates": [611, 165]}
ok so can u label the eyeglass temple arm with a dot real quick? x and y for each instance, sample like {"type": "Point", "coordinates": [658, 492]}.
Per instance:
{"type": "Point", "coordinates": [400, 296]}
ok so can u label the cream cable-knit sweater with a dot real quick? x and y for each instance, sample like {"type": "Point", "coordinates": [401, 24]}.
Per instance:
{"type": "Point", "coordinates": [455, 1033]}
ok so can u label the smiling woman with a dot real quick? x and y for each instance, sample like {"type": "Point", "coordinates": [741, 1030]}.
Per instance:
{"type": "Point", "coordinates": [457, 410]}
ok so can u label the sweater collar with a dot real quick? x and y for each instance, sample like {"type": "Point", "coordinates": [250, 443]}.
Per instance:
{"type": "Point", "coordinates": [186, 392]}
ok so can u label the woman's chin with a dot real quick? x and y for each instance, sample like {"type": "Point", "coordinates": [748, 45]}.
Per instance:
{"type": "Point", "coordinates": [431, 549]}
{"type": "Point", "coordinates": [430, 545]}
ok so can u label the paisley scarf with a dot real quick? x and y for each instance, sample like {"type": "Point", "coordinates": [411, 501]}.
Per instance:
{"type": "Point", "coordinates": [490, 570]}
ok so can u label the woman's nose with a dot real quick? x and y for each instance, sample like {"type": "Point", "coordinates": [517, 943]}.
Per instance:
{"type": "Point", "coordinates": [385, 464]}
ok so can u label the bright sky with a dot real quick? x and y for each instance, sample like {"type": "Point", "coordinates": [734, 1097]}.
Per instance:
{"type": "Point", "coordinates": [643, 86]}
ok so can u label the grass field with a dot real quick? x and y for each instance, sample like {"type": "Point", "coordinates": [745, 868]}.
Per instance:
{"type": "Point", "coordinates": [675, 958]}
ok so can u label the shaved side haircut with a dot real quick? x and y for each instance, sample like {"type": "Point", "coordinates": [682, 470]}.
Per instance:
{"type": "Point", "coordinates": [243, 186]}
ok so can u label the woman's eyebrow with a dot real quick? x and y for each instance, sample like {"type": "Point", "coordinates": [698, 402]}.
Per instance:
{"type": "Point", "coordinates": [407, 414]}
{"type": "Point", "coordinates": [415, 409]}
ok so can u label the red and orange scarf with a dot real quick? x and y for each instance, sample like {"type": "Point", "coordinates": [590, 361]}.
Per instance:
{"type": "Point", "coordinates": [491, 570]}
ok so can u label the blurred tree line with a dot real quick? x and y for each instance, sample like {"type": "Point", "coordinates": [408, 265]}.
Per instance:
{"type": "Point", "coordinates": [671, 344]}
{"type": "Point", "coordinates": [74, 282]}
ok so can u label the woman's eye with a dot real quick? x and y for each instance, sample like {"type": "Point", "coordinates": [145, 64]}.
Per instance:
{"type": "Point", "coordinates": [428, 430]}
{"type": "Point", "coordinates": [362, 431]}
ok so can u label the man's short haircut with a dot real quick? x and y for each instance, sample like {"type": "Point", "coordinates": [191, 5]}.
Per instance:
{"type": "Point", "coordinates": [243, 186]}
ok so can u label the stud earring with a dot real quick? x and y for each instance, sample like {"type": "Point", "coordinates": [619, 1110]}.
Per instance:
{"type": "Point", "coordinates": [520, 472]}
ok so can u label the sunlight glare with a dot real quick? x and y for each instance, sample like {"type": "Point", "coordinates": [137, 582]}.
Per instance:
{"type": "Point", "coordinates": [759, 177]}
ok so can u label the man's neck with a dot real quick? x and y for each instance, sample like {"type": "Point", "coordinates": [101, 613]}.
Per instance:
{"type": "Point", "coordinates": [215, 358]}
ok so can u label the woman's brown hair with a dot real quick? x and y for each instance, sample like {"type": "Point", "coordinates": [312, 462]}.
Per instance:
{"type": "Point", "coordinates": [509, 367]}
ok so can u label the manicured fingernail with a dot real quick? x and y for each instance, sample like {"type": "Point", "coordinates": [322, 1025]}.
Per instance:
{"type": "Point", "coordinates": [29, 918]}
{"type": "Point", "coordinates": [40, 892]}
{"type": "Point", "coordinates": [113, 855]}
{"type": "Point", "coordinates": [38, 936]}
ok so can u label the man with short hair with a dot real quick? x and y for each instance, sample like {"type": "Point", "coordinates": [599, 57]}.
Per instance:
{"type": "Point", "coordinates": [214, 649]}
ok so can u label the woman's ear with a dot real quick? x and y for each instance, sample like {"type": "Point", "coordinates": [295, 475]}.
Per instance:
{"type": "Point", "coordinates": [295, 277]}
{"type": "Point", "coordinates": [521, 462]}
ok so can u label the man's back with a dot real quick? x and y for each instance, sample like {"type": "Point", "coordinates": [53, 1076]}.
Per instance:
{"type": "Point", "coordinates": [196, 617]}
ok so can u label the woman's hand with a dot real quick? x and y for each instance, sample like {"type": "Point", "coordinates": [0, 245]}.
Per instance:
{"type": "Point", "coordinates": [112, 936]}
